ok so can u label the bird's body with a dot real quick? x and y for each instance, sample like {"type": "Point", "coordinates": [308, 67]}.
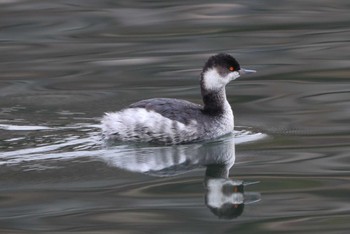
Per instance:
{"type": "Point", "coordinates": [166, 121]}
{"type": "Point", "coordinates": [175, 121]}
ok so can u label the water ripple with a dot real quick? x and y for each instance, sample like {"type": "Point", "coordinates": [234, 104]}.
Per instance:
{"type": "Point", "coordinates": [82, 140]}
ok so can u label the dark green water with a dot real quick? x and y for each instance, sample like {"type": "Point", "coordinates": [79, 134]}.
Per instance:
{"type": "Point", "coordinates": [63, 64]}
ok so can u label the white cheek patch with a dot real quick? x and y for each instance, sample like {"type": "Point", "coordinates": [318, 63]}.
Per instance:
{"type": "Point", "coordinates": [216, 198]}
{"type": "Point", "coordinates": [213, 80]}
{"type": "Point", "coordinates": [233, 75]}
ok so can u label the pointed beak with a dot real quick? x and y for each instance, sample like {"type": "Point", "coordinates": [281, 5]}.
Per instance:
{"type": "Point", "coordinates": [243, 71]}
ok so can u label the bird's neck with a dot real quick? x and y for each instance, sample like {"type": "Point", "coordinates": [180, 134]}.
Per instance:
{"type": "Point", "coordinates": [215, 102]}
{"type": "Point", "coordinates": [217, 171]}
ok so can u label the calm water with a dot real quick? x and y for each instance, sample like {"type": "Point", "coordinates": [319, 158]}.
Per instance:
{"type": "Point", "coordinates": [284, 170]}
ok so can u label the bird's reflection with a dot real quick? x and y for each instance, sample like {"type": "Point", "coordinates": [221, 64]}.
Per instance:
{"type": "Point", "coordinates": [225, 197]}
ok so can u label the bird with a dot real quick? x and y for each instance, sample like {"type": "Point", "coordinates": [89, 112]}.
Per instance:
{"type": "Point", "coordinates": [170, 121]}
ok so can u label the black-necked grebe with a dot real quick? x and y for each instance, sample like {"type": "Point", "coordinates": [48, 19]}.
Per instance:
{"type": "Point", "coordinates": [174, 121]}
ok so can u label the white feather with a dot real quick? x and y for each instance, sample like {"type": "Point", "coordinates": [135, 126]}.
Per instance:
{"type": "Point", "coordinates": [214, 81]}
{"type": "Point", "coordinates": [139, 124]}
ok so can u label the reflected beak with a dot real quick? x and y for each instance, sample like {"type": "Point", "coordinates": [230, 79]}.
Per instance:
{"type": "Point", "coordinates": [243, 71]}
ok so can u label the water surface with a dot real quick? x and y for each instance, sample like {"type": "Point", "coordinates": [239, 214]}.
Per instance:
{"type": "Point", "coordinates": [284, 170]}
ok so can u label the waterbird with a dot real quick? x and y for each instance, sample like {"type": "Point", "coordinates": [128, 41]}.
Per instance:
{"type": "Point", "coordinates": [171, 121]}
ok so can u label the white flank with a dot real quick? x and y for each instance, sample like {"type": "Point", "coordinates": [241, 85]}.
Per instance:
{"type": "Point", "coordinates": [139, 124]}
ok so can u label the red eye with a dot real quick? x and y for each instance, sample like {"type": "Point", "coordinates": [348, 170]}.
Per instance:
{"type": "Point", "coordinates": [231, 68]}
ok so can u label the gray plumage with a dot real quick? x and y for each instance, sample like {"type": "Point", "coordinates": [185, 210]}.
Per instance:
{"type": "Point", "coordinates": [175, 121]}
{"type": "Point", "coordinates": [175, 109]}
